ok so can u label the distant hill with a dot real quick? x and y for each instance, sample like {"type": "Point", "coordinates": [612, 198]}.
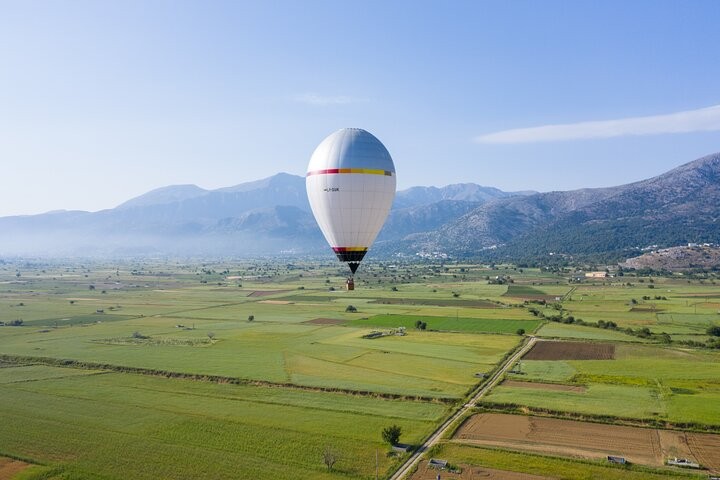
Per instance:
{"type": "Point", "coordinates": [462, 192]}
{"type": "Point", "coordinates": [165, 195]}
{"type": "Point", "coordinates": [677, 258]}
{"type": "Point", "coordinates": [678, 207]}
{"type": "Point", "coordinates": [464, 220]}
{"type": "Point", "coordinates": [265, 216]}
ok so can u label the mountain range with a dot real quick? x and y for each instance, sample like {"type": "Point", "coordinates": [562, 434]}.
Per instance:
{"type": "Point", "coordinates": [272, 215]}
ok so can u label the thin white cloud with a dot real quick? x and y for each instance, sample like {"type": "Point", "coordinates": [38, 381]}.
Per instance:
{"type": "Point", "coordinates": [325, 100]}
{"type": "Point", "coordinates": [701, 120]}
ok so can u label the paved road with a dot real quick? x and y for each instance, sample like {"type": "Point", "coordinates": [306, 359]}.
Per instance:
{"type": "Point", "coordinates": [437, 434]}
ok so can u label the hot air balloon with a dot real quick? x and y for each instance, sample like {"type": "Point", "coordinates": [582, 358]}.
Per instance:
{"type": "Point", "coordinates": [351, 186]}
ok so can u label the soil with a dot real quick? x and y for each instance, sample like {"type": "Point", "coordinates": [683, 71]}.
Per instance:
{"type": "Point", "coordinates": [325, 321]}
{"type": "Point", "coordinates": [9, 467]}
{"type": "Point", "coordinates": [545, 386]}
{"type": "Point", "coordinates": [470, 472]}
{"type": "Point", "coordinates": [706, 448]}
{"type": "Point", "coordinates": [646, 446]}
{"type": "Point", "coordinates": [571, 351]}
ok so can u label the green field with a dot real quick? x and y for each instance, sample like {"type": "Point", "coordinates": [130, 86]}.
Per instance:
{"type": "Point", "coordinates": [643, 382]}
{"type": "Point", "coordinates": [133, 426]}
{"type": "Point", "coordinates": [266, 366]}
{"type": "Point", "coordinates": [449, 324]}
{"type": "Point", "coordinates": [304, 354]}
{"type": "Point", "coordinates": [191, 320]}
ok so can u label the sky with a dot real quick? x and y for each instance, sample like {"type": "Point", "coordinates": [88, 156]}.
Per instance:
{"type": "Point", "coordinates": [101, 101]}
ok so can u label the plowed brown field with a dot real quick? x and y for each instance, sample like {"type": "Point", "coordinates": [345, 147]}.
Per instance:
{"type": "Point", "coordinates": [10, 467]}
{"type": "Point", "coordinates": [571, 438]}
{"type": "Point", "coordinates": [706, 449]}
{"type": "Point", "coordinates": [571, 351]}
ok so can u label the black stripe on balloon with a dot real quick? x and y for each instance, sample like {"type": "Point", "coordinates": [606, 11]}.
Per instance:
{"type": "Point", "coordinates": [350, 256]}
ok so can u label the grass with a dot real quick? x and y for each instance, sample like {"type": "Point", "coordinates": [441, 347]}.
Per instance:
{"type": "Point", "coordinates": [456, 324]}
{"type": "Point", "coordinates": [309, 355]}
{"type": "Point", "coordinates": [644, 381]}
{"type": "Point", "coordinates": [628, 401]}
{"type": "Point", "coordinates": [99, 424]}
{"type": "Point", "coordinates": [130, 426]}
{"type": "Point", "coordinates": [562, 330]}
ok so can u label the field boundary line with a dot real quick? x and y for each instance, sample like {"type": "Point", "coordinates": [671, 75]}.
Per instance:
{"type": "Point", "coordinates": [567, 295]}
{"type": "Point", "coordinates": [406, 468]}
{"type": "Point", "coordinates": [107, 367]}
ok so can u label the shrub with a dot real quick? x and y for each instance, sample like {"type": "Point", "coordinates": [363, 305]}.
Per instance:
{"type": "Point", "coordinates": [391, 434]}
{"type": "Point", "coordinates": [714, 331]}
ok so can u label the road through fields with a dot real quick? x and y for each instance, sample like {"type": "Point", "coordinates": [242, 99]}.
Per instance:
{"type": "Point", "coordinates": [408, 466]}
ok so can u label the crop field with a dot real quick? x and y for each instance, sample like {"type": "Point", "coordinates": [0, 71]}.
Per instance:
{"type": "Point", "coordinates": [545, 386]}
{"type": "Point", "coordinates": [456, 324]}
{"type": "Point", "coordinates": [547, 350]}
{"type": "Point", "coordinates": [643, 382]}
{"type": "Point", "coordinates": [188, 371]}
{"type": "Point", "coordinates": [663, 305]}
{"type": "Point", "coordinates": [645, 446]}
{"type": "Point", "coordinates": [252, 369]}
{"type": "Point", "coordinates": [134, 426]}
{"type": "Point", "coordinates": [526, 292]}
{"type": "Point", "coordinates": [562, 330]}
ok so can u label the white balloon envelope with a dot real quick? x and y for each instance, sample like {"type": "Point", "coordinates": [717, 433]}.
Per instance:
{"type": "Point", "coordinates": [351, 186]}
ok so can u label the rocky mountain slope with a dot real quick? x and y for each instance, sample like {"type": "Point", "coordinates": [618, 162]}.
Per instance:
{"type": "Point", "coordinates": [465, 220]}
{"type": "Point", "coordinates": [678, 207]}
{"type": "Point", "coordinates": [677, 258]}
{"type": "Point", "coordinates": [260, 217]}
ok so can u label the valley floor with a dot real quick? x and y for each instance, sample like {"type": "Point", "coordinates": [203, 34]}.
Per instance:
{"type": "Point", "coordinates": [267, 369]}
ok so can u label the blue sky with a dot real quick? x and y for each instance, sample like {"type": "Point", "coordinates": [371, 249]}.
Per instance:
{"type": "Point", "coordinates": [103, 101]}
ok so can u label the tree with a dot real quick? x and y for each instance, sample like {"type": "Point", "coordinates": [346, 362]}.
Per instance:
{"type": "Point", "coordinates": [520, 331]}
{"type": "Point", "coordinates": [91, 287]}
{"type": "Point", "coordinates": [418, 323]}
{"type": "Point", "coordinates": [251, 318]}
{"type": "Point", "coordinates": [330, 457]}
{"type": "Point", "coordinates": [351, 309]}
{"type": "Point", "coordinates": [211, 336]}
{"type": "Point", "coordinates": [392, 434]}
{"type": "Point", "coordinates": [714, 331]}
{"type": "Point", "coordinates": [423, 325]}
